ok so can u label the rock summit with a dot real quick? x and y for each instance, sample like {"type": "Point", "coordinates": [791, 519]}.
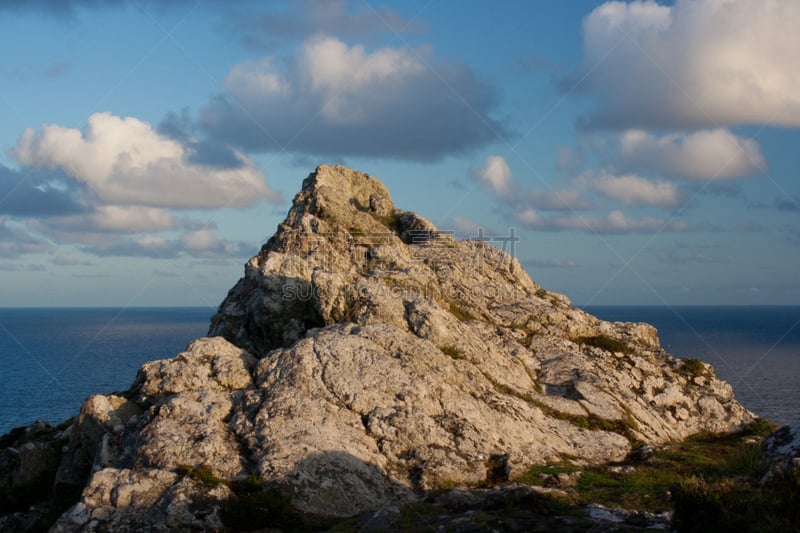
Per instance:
{"type": "Point", "coordinates": [365, 358]}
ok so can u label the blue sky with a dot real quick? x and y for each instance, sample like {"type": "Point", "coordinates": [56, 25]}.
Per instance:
{"type": "Point", "coordinates": [644, 153]}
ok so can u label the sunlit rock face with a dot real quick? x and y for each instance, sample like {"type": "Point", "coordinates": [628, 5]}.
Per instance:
{"type": "Point", "coordinates": [366, 357]}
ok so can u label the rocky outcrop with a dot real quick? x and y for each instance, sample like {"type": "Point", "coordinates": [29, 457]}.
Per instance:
{"type": "Point", "coordinates": [781, 453]}
{"type": "Point", "coordinates": [366, 357]}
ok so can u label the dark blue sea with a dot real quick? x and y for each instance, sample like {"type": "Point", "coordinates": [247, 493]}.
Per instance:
{"type": "Point", "coordinates": [51, 359]}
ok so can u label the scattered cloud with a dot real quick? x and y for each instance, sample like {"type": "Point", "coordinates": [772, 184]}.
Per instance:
{"type": "Point", "coordinates": [751, 227]}
{"type": "Point", "coordinates": [165, 273]}
{"type": "Point", "coordinates": [631, 189]}
{"type": "Point", "coordinates": [41, 194]}
{"type": "Point", "coordinates": [555, 200]}
{"type": "Point", "coordinates": [111, 190]}
{"type": "Point", "coordinates": [15, 241]}
{"type": "Point", "coordinates": [794, 234]}
{"type": "Point", "coordinates": [335, 99]}
{"type": "Point", "coordinates": [527, 206]}
{"type": "Point", "coordinates": [65, 259]}
{"type": "Point", "coordinates": [787, 203]}
{"type": "Point", "coordinates": [201, 243]}
{"type": "Point", "coordinates": [68, 8]}
{"type": "Point", "coordinates": [715, 154]}
{"type": "Point", "coordinates": [181, 127]}
{"type": "Point", "coordinates": [675, 257]}
{"type": "Point", "coordinates": [261, 24]}
{"type": "Point", "coordinates": [299, 19]}
{"type": "Point", "coordinates": [495, 175]}
{"type": "Point", "coordinates": [117, 219]}
{"type": "Point", "coordinates": [616, 222]}
{"type": "Point", "coordinates": [123, 161]}
{"type": "Point", "coordinates": [570, 160]}
{"type": "Point", "coordinates": [19, 267]}
{"type": "Point", "coordinates": [693, 64]}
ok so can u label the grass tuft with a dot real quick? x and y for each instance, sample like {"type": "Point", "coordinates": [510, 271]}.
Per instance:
{"type": "Point", "coordinates": [459, 312]}
{"type": "Point", "coordinates": [604, 342]}
{"type": "Point", "coordinates": [694, 367]}
{"type": "Point", "coordinates": [202, 474]}
{"type": "Point", "coordinates": [453, 352]}
{"type": "Point", "coordinates": [759, 427]}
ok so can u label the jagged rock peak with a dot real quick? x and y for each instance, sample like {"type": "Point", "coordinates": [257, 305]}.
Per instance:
{"type": "Point", "coordinates": [344, 254]}
{"type": "Point", "coordinates": [336, 201]}
{"type": "Point", "coordinates": [335, 192]}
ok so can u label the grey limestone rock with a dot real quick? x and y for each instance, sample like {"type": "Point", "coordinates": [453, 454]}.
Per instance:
{"type": "Point", "coordinates": [366, 357]}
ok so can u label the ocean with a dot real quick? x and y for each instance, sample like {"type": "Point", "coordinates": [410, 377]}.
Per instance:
{"type": "Point", "coordinates": [52, 359]}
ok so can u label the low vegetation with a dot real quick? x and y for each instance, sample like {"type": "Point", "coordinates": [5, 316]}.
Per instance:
{"type": "Point", "coordinates": [712, 482]}
{"type": "Point", "coordinates": [356, 232]}
{"type": "Point", "coordinates": [738, 504]}
{"type": "Point", "coordinates": [604, 342]}
{"type": "Point", "coordinates": [253, 504]}
{"type": "Point", "coordinates": [453, 352]}
{"type": "Point", "coordinates": [38, 493]}
{"type": "Point", "coordinates": [459, 312]}
{"type": "Point", "coordinates": [694, 367]}
{"type": "Point", "coordinates": [591, 422]}
{"type": "Point", "coordinates": [202, 474]}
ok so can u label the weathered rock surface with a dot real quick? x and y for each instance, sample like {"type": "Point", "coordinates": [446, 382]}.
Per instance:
{"type": "Point", "coordinates": [366, 357]}
{"type": "Point", "coordinates": [782, 452]}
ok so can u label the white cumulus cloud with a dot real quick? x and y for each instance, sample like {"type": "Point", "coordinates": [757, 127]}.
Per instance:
{"type": "Point", "coordinates": [330, 98]}
{"type": "Point", "coordinates": [495, 175]}
{"type": "Point", "coordinates": [697, 63]}
{"type": "Point", "coordinates": [714, 154]}
{"type": "Point", "coordinates": [124, 161]}
{"type": "Point", "coordinates": [631, 189]}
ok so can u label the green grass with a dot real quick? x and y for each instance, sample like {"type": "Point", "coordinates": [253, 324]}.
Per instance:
{"type": "Point", "coordinates": [738, 504]}
{"type": "Point", "coordinates": [528, 339]}
{"type": "Point", "coordinates": [592, 422]}
{"type": "Point", "coordinates": [604, 342]}
{"type": "Point", "coordinates": [535, 474]}
{"type": "Point", "coordinates": [459, 312]}
{"type": "Point", "coordinates": [709, 473]}
{"type": "Point", "coordinates": [391, 221]}
{"type": "Point", "coordinates": [453, 352]}
{"type": "Point", "coordinates": [760, 427]}
{"type": "Point", "coordinates": [694, 367]}
{"type": "Point", "coordinates": [356, 232]}
{"type": "Point", "coordinates": [202, 474]}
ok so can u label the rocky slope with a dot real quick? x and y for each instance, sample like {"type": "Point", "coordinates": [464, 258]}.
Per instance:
{"type": "Point", "coordinates": [364, 358]}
